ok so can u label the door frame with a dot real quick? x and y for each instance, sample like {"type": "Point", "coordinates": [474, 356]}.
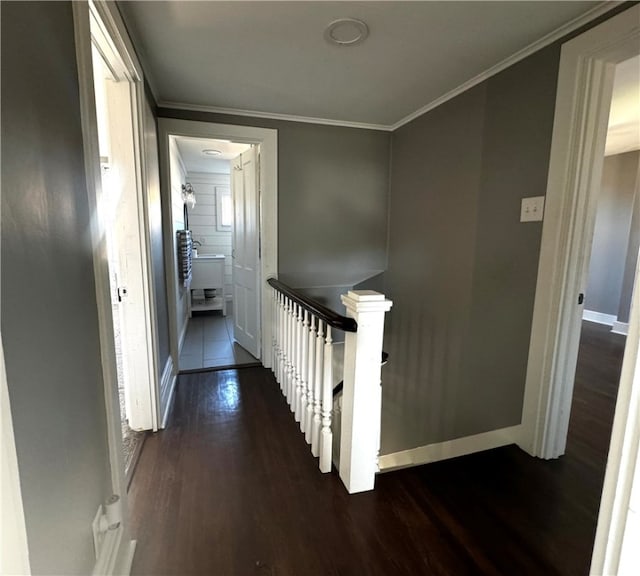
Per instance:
{"type": "Point", "coordinates": [267, 138]}
{"type": "Point", "coordinates": [585, 85]}
{"type": "Point", "coordinates": [106, 15]}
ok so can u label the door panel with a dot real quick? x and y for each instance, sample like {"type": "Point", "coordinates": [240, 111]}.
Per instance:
{"type": "Point", "coordinates": [245, 252]}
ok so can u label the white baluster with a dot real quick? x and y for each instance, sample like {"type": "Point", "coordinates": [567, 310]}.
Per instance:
{"type": "Point", "coordinates": [292, 359]}
{"type": "Point", "coordinates": [304, 344]}
{"type": "Point", "coordinates": [285, 364]}
{"type": "Point", "coordinates": [290, 351]}
{"type": "Point", "coordinates": [296, 373]}
{"type": "Point", "coordinates": [311, 372]}
{"type": "Point", "coordinates": [317, 391]}
{"type": "Point", "coordinates": [281, 341]}
{"type": "Point", "coordinates": [274, 331]}
{"type": "Point", "coordinates": [326, 436]}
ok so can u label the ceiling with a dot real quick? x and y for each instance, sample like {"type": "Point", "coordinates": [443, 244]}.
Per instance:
{"type": "Point", "coordinates": [191, 151]}
{"type": "Point", "coordinates": [271, 59]}
{"type": "Point", "coordinates": [623, 134]}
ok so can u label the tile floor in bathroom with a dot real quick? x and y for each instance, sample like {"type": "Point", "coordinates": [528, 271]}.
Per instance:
{"type": "Point", "coordinates": [209, 344]}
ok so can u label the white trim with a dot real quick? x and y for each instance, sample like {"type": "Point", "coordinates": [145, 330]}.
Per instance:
{"type": "Point", "coordinates": [585, 84]}
{"type": "Point", "coordinates": [14, 548]}
{"type": "Point", "coordinates": [449, 449]}
{"type": "Point", "coordinates": [268, 140]}
{"type": "Point", "coordinates": [558, 33]}
{"type": "Point", "coordinates": [167, 390]}
{"type": "Point", "coordinates": [98, 242]}
{"type": "Point", "coordinates": [598, 317]}
{"type": "Point", "coordinates": [272, 116]}
{"type": "Point", "coordinates": [621, 471]}
{"type": "Point", "coordinates": [620, 328]}
{"type": "Point", "coordinates": [107, 15]}
{"type": "Point", "coordinates": [116, 555]}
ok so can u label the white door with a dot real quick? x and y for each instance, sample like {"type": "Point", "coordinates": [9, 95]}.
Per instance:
{"type": "Point", "coordinates": [120, 212]}
{"type": "Point", "coordinates": [245, 254]}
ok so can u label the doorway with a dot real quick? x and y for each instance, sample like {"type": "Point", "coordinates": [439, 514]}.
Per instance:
{"type": "Point", "coordinates": [175, 134]}
{"type": "Point", "coordinates": [585, 85]}
{"type": "Point", "coordinates": [215, 216]}
{"type": "Point", "coordinates": [111, 87]}
{"type": "Point", "coordinates": [610, 272]}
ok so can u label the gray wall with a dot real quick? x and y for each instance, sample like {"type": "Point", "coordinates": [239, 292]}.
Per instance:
{"type": "Point", "coordinates": [611, 236]}
{"type": "Point", "coordinates": [49, 315]}
{"type": "Point", "coordinates": [633, 249]}
{"type": "Point", "coordinates": [333, 200]}
{"type": "Point", "coordinates": [155, 229]}
{"type": "Point", "coordinates": [462, 268]}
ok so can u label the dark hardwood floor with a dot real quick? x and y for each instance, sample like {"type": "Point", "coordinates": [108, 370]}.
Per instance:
{"type": "Point", "coordinates": [230, 488]}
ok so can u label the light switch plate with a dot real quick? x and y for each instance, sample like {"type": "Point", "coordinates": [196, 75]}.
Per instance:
{"type": "Point", "coordinates": [532, 209]}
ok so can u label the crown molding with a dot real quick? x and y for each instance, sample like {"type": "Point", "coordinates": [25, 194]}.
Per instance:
{"type": "Point", "coordinates": [550, 38]}
{"type": "Point", "coordinates": [271, 116]}
{"type": "Point", "coordinates": [553, 36]}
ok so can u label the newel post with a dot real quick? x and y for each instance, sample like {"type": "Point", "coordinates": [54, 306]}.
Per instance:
{"type": "Point", "coordinates": [362, 393]}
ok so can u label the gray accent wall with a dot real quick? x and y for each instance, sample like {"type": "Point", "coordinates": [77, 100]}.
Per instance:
{"type": "Point", "coordinates": [49, 313]}
{"type": "Point", "coordinates": [612, 239]}
{"type": "Point", "coordinates": [152, 166]}
{"type": "Point", "coordinates": [333, 199]}
{"type": "Point", "coordinates": [633, 249]}
{"type": "Point", "coordinates": [462, 268]}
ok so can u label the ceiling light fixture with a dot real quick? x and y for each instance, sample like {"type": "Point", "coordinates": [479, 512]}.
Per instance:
{"type": "Point", "coordinates": [211, 152]}
{"type": "Point", "coordinates": [346, 32]}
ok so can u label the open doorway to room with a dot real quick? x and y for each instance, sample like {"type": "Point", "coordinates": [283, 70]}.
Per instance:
{"type": "Point", "coordinates": [588, 69]}
{"type": "Point", "coordinates": [610, 276]}
{"type": "Point", "coordinates": [213, 172]}
{"type": "Point", "coordinates": [120, 211]}
{"type": "Point", "coordinates": [218, 316]}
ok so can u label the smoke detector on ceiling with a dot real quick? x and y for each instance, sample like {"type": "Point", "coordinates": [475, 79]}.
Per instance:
{"type": "Point", "coordinates": [346, 32]}
{"type": "Point", "coordinates": [211, 152]}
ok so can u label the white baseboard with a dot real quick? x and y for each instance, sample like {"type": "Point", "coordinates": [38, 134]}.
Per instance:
{"type": "Point", "coordinates": [449, 449]}
{"type": "Point", "coordinates": [167, 389]}
{"type": "Point", "coordinates": [620, 328]}
{"type": "Point", "coordinates": [598, 317]}
{"type": "Point", "coordinates": [116, 555]}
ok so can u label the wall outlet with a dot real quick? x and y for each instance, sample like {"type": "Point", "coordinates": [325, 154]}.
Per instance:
{"type": "Point", "coordinates": [532, 209]}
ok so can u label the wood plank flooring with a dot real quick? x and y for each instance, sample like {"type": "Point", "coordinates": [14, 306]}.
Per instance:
{"type": "Point", "coordinates": [230, 488]}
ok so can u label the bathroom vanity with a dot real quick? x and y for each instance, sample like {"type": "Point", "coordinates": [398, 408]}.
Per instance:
{"type": "Point", "coordinates": [207, 275]}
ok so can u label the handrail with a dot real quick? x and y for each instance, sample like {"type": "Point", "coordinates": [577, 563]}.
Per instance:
{"type": "Point", "coordinates": [325, 314]}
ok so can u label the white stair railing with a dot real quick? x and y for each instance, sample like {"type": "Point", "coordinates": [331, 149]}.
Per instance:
{"type": "Point", "coordinates": [302, 351]}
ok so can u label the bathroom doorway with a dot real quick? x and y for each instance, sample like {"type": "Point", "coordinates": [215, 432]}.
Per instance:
{"type": "Point", "coordinates": [210, 170]}
{"type": "Point", "coordinates": [213, 200]}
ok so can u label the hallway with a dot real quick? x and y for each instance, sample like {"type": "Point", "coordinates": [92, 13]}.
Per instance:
{"type": "Point", "coordinates": [230, 488]}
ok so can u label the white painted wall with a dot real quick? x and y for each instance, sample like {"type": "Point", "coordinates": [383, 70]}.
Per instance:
{"type": "Point", "coordinates": [178, 178]}
{"type": "Point", "coordinates": [202, 220]}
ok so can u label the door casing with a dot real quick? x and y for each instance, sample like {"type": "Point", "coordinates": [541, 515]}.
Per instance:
{"type": "Point", "coordinates": [267, 139]}
{"type": "Point", "coordinates": [103, 20]}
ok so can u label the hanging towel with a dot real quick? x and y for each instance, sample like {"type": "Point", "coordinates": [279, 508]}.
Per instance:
{"type": "Point", "coordinates": [185, 245]}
